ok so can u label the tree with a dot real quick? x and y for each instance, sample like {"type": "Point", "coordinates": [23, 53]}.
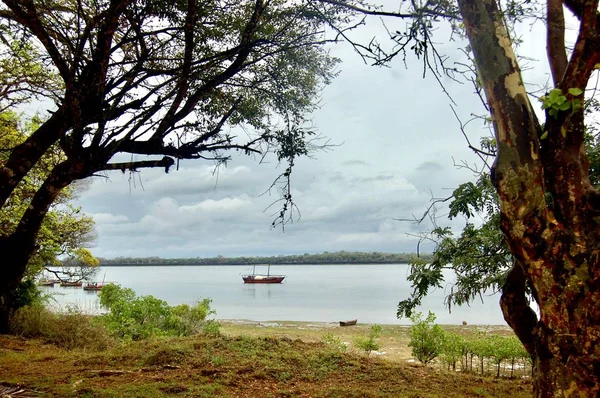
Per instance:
{"type": "Point", "coordinates": [548, 206]}
{"type": "Point", "coordinates": [548, 203]}
{"type": "Point", "coordinates": [64, 231]}
{"type": "Point", "coordinates": [158, 81]}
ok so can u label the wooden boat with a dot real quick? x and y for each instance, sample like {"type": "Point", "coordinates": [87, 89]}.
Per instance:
{"type": "Point", "coordinates": [46, 282]}
{"type": "Point", "coordinates": [71, 283]}
{"type": "Point", "coordinates": [262, 278]}
{"type": "Point", "coordinates": [348, 323]}
{"type": "Point", "coordinates": [93, 286]}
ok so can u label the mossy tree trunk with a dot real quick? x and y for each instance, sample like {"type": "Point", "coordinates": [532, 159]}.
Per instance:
{"type": "Point", "coordinates": [550, 212]}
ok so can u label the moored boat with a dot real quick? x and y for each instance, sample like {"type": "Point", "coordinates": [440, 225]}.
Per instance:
{"type": "Point", "coordinates": [262, 278]}
{"type": "Point", "coordinates": [71, 283]}
{"type": "Point", "coordinates": [93, 286]}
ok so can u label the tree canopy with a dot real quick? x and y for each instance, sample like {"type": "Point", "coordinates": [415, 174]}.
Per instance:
{"type": "Point", "coordinates": [158, 82]}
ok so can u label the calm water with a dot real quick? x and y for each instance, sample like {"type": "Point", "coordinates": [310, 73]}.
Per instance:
{"type": "Point", "coordinates": [320, 293]}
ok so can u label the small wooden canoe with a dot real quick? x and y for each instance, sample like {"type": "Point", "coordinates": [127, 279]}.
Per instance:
{"type": "Point", "coordinates": [348, 323]}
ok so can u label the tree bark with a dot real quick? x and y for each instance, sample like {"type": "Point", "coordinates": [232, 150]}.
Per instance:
{"type": "Point", "coordinates": [18, 246]}
{"type": "Point", "coordinates": [549, 216]}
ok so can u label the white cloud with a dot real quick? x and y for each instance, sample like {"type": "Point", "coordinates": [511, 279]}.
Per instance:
{"type": "Point", "coordinates": [399, 142]}
{"type": "Point", "coordinates": [106, 218]}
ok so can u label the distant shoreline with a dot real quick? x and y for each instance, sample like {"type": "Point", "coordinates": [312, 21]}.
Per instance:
{"type": "Point", "coordinates": [338, 258]}
{"type": "Point", "coordinates": [237, 264]}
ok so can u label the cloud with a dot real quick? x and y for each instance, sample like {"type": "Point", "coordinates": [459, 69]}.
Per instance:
{"type": "Point", "coordinates": [106, 218]}
{"type": "Point", "coordinates": [399, 140]}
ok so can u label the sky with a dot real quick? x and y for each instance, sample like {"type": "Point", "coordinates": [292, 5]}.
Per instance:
{"type": "Point", "coordinates": [397, 145]}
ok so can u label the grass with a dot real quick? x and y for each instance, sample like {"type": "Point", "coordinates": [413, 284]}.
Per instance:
{"type": "Point", "coordinates": [246, 360]}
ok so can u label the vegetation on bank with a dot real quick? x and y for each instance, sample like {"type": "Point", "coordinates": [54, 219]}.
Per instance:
{"type": "Point", "coordinates": [242, 360]}
{"type": "Point", "coordinates": [341, 257]}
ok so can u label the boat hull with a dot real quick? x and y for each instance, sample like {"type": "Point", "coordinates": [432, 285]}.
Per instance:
{"type": "Point", "coordinates": [348, 323]}
{"type": "Point", "coordinates": [71, 284]}
{"type": "Point", "coordinates": [93, 287]}
{"type": "Point", "coordinates": [263, 279]}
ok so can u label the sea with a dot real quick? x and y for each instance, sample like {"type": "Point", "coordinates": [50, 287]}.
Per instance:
{"type": "Point", "coordinates": [310, 293]}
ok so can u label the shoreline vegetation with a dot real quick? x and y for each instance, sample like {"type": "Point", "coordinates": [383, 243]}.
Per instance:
{"type": "Point", "coordinates": [340, 257]}
{"type": "Point", "coordinates": [251, 359]}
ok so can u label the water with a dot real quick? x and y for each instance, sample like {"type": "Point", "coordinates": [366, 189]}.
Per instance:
{"type": "Point", "coordinates": [318, 293]}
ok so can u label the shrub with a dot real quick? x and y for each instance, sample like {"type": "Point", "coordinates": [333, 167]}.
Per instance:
{"type": "Point", "coordinates": [369, 344]}
{"type": "Point", "coordinates": [138, 318]}
{"type": "Point", "coordinates": [334, 342]}
{"type": "Point", "coordinates": [70, 330]}
{"type": "Point", "coordinates": [426, 338]}
{"type": "Point", "coordinates": [452, 350]}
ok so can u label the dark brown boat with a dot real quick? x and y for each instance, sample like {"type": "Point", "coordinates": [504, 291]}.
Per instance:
{"type": "Point", "coordinates": [348, 323]}
{"type": "Point", "coordinates": [262, 278]}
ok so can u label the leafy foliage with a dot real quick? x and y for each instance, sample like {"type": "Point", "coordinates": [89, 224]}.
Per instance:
{"type": "Point", "coordinates": [138, 318]}
{"type": "Point", "coordinates": [478, 256]}
{"type": "Point", "coordinates": [64, 231]}
{"type": "Point", "coordinates": [426, 337]}
{"type": "Point", "coordinates": [160, 81]}
{"type": "Point", "coordinates": [368, 344]}
{"type": "Point", "coordinates": [334, 342]}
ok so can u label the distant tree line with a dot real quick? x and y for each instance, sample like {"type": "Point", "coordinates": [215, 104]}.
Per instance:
{"type": "Point", "coordinates": [341, 257]}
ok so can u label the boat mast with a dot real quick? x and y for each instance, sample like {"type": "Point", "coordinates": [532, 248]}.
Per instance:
{"type": "Point", "coordinates": [269, 270]}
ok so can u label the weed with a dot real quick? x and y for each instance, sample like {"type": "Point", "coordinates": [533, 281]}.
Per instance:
{"type": "Point", "coordinates": [69, 330]}
{"type": "Point", "coordinates": [369, 344]}
{"type": "Point", "coordinates": [334, 342]}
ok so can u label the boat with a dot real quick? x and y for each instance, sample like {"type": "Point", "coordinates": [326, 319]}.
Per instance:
{"type": "Point", "coordinates": [262, 278]}
{"type": "Point", "coordinates": [348, 323]}
{"type": "Point", "coordinates": [93, 286]}
{"type": "Point", "coordinates": [71, 283]}
{"type": "Point", "coordinates": [46, 282]}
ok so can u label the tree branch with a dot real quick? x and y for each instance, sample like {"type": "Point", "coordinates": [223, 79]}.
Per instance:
{"type": "Point", "coordinates": [516, 310]}
{"type": "Point", "coordinates": [165, 162]}
{"type": "Point", "coordinates": [555, 40]}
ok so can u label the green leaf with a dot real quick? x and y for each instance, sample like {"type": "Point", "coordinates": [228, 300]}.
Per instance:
{"type": "Point", "coordinates": [575, 91]}
{"type": "Point", "coordinates": [564, 106]}
{"type": "Point", "coordinates": [563, 131]}
{"type": "Point", "coordinates": [544, 136]}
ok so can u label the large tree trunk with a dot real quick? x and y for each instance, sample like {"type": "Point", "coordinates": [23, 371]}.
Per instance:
{"type": "Point", "coordinates": [17, 247]}
{"type": "Point", "coordinates": [549, 211]}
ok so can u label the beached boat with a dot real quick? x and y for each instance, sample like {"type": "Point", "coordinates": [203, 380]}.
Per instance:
{"type": "Point", "coordinates": [348, 323]}
{"type": "Point", "coordinates": [262, 278]}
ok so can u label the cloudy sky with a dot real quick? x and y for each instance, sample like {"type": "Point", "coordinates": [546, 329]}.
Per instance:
{"type": "Point", "coordinates": [398, 143]}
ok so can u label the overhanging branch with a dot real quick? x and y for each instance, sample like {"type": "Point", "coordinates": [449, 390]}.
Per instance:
{"type": "Point", "coordinates": [165, 162]}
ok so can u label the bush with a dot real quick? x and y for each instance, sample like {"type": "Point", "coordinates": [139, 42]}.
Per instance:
{"type": "Point", "coordinates": [369, 344]}
{"type": "Point", "coordinates": [70, 330]}
{"type": "Point", "coordinates": [452, 350]}
{"type": "Point", "coordinates": [334, 342]}
{"type": "Point", "coordinates": [138, 318]}
{"type": "Point", "coordinates": [426, 338]}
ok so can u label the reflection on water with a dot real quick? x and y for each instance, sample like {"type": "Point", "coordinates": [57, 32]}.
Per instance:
{"type": "Point", "coordinates": [320, 293]}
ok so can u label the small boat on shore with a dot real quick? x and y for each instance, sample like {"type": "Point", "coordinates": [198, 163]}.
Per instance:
{"type": "Point", "coordinates": [262, 278]}
{"type": "Point", "coordinates": [348, 323]}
